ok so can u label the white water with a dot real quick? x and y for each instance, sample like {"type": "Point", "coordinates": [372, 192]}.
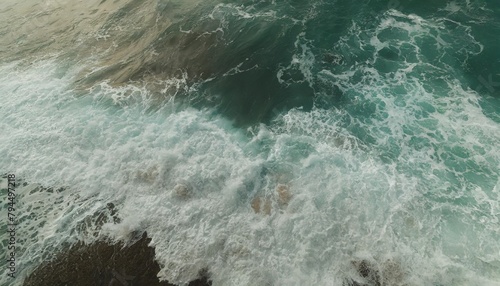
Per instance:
{"type": "Point", "coordinates": [347, 204]}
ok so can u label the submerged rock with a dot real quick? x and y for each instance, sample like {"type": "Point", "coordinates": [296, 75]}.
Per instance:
{"type": "Point", "coordinates": [182, 191]}
{"type": "Point", "coordinates": [284, 195]}
{"type": "Point", "coordinates": [264, 204]}
{"type": "Point", "coordinates": [261, 205]}
{"type": "Point", "coordinates": [104, 264]}
{"type": "Point", "coordinates": [92, 224]}
{"type": "Point", "coordinates": [368, 272]}
{"type": "Point", "coordinates": [388, 273]}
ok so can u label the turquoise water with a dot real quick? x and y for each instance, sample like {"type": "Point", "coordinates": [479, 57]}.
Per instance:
{"type": "Point", "coordinates": [381, 119]}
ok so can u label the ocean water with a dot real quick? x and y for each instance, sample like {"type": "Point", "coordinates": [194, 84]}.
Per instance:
{"type": "Point", "coordinates": [270, 142]}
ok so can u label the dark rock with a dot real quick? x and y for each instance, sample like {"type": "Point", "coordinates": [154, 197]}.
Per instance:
{"type": "Point", "coordinates": [369, 274]}
{"type": "Point", "coordinates": [104, 264]}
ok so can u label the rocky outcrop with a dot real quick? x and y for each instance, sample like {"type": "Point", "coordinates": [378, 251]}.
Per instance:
{"type": "Point", "coordinates": [105, 264]}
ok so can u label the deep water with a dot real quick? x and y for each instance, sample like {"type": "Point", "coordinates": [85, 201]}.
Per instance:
{"type": "Point", "coordinates": [269, 142]}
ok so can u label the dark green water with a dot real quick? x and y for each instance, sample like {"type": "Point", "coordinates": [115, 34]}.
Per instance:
{"type": "Point", "coordinates": [276, 54]}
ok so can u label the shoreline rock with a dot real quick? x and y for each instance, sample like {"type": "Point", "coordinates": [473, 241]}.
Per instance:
{"type": "Point", "coordinates": [104, 264]}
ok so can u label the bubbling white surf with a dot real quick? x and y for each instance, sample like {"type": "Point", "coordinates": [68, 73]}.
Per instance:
{"type": "Point", "coordinates": [413, 188]}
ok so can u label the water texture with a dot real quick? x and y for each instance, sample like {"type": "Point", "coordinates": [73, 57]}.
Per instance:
{"type": "Point", "coordinates": [269, 142]}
